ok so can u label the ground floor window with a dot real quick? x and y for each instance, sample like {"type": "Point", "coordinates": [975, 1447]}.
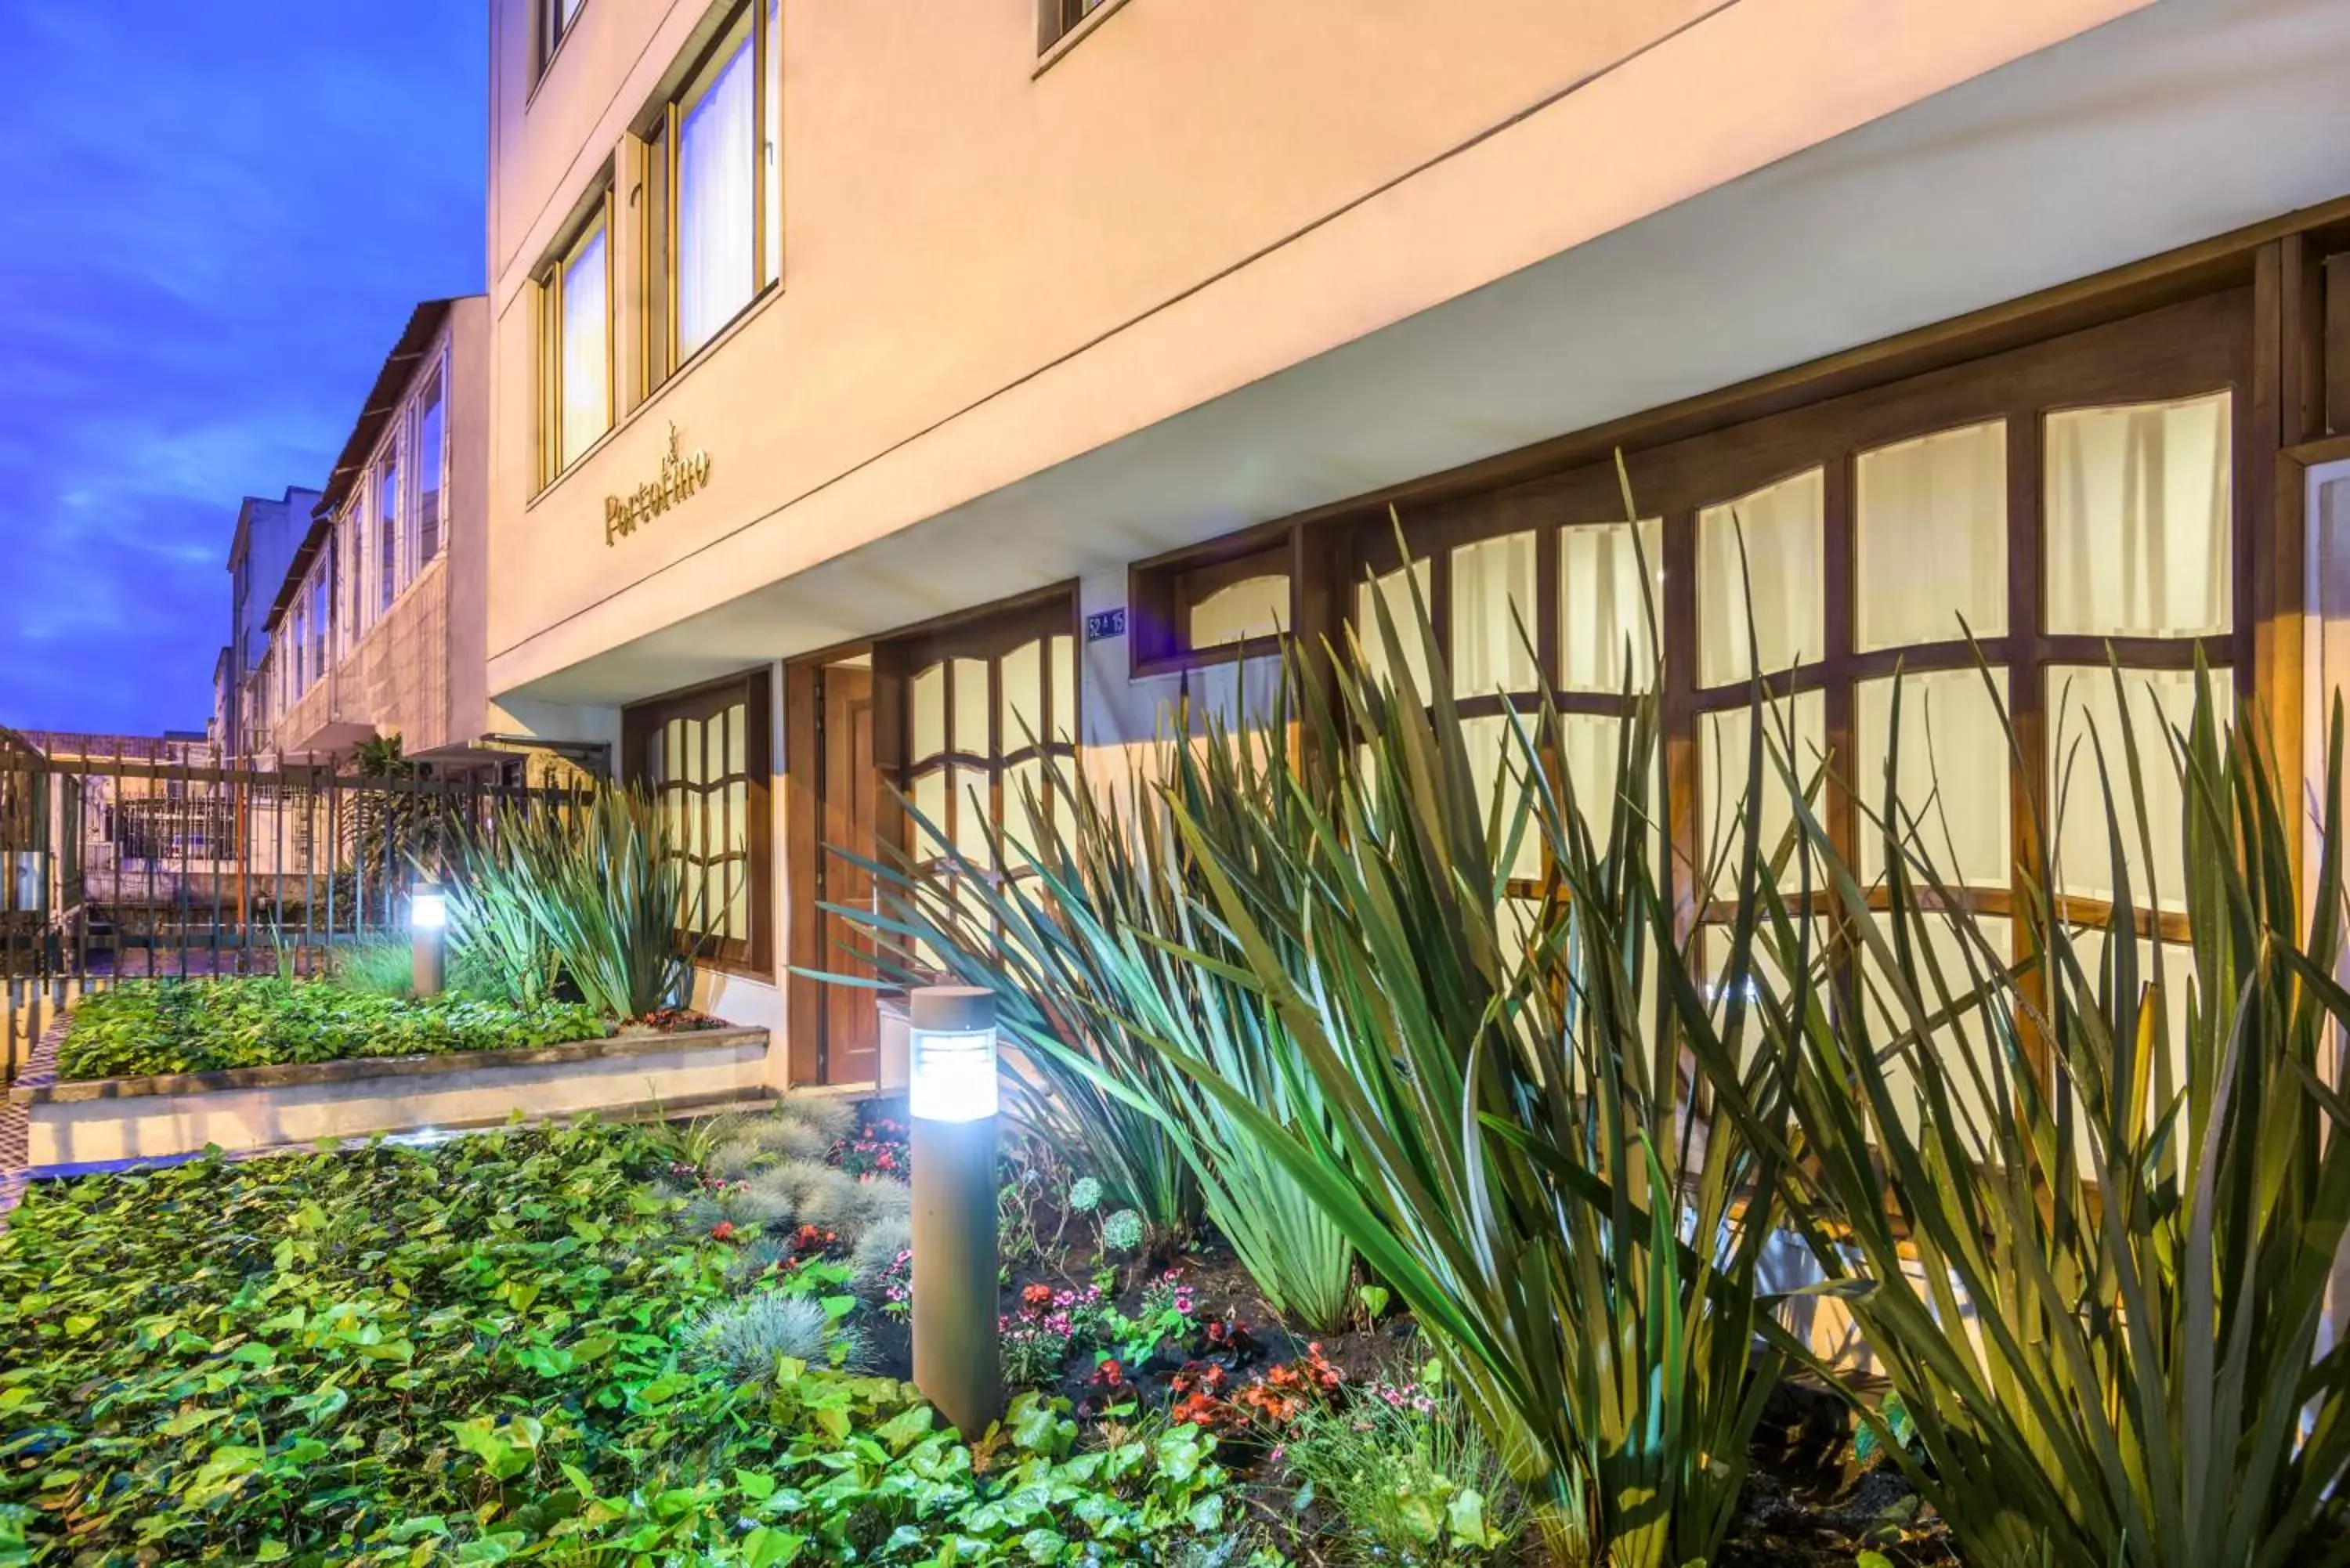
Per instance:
{"type": "Point", "coordinates": [705, 756]}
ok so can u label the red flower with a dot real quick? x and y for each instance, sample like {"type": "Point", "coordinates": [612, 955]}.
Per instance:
{"type": "Point", "coordinates": [1109, 1373]}
{"type": "Point", "coordinates": [722, 1231]}
{"type": "Point", "coordinates": [1036, 1298]}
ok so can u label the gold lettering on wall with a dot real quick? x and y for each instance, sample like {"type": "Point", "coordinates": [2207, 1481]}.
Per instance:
{"type": "Point", "coordinates": [682, 474]}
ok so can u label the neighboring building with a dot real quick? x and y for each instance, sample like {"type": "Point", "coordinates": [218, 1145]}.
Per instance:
{"type": "Point", "coordinates": [870, 394]}
{"type": "Point", "coordinates": [223, 722]}
{"type": "Point", "coordinates": [266, 534]}
{"type": "Point", "coordinates": [375, 624]}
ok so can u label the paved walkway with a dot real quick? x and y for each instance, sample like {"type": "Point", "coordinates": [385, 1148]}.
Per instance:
{"type": "Point", "coordinates": [40, 1070]}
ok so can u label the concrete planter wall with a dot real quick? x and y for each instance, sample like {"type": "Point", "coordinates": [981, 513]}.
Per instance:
{"type": "Point", "coordinates": [257, 1107]}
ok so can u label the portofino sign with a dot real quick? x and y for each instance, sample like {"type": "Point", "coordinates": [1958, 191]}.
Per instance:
{"type": "Point", "coordinates": [682, 475]}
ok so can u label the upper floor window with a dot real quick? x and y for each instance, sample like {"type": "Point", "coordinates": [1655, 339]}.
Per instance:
{"type": "Point", "coordinates": [431, 467]}
{"type": "Point", "coordinates": [554, 19]}
{"type": "Point", "coordinates": [576, 344]}
{"type": "Point", "coordinates": [1059, 18]}
{"type": "Point", "coordinates": [713, 220]}
{"type": "Point", "coordinates": [388, 514]}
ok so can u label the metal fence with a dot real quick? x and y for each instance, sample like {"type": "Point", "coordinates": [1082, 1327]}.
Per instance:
{"type": "Point", "coordinates": [120, 866]}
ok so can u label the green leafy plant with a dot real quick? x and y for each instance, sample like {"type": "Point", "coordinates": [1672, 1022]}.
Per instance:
{"type": "Point", "coordinates": [139, 1027]}
{"type": "Point", "coordinates": [1402, 1474]}
{"type": "Point", "coordinates": [1506, 1140]}
{"type": "Point", "coordinates": [1089, 955]}
{"type": "Point", "coordinates": [604, 886]}
{"type": "Point", "coordinates": [2095, 1276]}
{"type": "Point", "coordinates": [485, 1352]}
{"type": "Point", "coordinates": [498, 944]}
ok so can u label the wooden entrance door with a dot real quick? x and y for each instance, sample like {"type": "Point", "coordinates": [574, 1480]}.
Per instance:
{"type": "Point", "coordinates": [851, 1050]}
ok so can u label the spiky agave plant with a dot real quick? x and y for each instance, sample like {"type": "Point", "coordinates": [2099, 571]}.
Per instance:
{"type": "Point", "coordinates": [605, 886]}
{"type": "Point", "coordinates": [1508, 1141]}
{"type": "Point", "coordinates": [2098, 1287]}
{"type": "Point", "coordinates": [1093, 935]}
{"type": "Point", "coordinates": [496, 938]}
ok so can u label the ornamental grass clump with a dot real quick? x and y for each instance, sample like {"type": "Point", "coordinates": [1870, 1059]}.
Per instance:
{"type": "Point", "coordinates": [1506, 1142]}
{"type": "Point", "coordinates": [1090, 950]}
{"type": "Point", "coordinates": [2091, 1249]}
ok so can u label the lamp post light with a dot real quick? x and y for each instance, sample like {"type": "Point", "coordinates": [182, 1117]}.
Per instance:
{"type": "Point", "coordinates": [951, 1099]}
{"type": "Point", "coordinates": [427, 924]}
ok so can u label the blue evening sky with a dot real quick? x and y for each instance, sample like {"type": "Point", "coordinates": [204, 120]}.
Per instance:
{"type": "Point", "coordinates": [214, 218]}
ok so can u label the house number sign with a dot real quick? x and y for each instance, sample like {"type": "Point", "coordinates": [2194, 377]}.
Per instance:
{"type": "Point", "coordinates": [682, 475]}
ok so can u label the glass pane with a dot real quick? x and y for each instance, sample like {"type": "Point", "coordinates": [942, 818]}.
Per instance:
{"type": "Point", "coordinates": [431, 435]}
{"type": "Point", "coordinates": [1722, 756]}
{"type": "Point", "coordinates": [1930, 543]}
{"type": "Point", "coordinates": [1784, 564]}
{"type": "Point", "coordinates": [1958, 961]}
{"type": "Point", "coordinates": [1021, 674]}
{"type": "Point", "coordinates": [972, 814]}
{"type": "Point", "coordinates": [738, 817]}
{"type": "Point", "coordinates": [771, 72]}
{"type": "Point", "coordinates": [1594, 744]}
{"type": "Point", "coordinates": [1604, 635]}
{"type": "Point", "coordinates": [2138, 519]}
{"type": "Point", "coordinates": [1493, 627]}
{"type": "Point", "coordinates": [929, 795]}
{"type": "Point", "coordinates": [970, 697]}
{"type": "Point", "coordinates": [1951, 733]}
{"type": "Point", "coordinates": [587, 388]}
{"type": "Point", "coordinates": [929, 714]}
{"type": "Point", "coordinates": [2082, 705]}
{"type": "Point", "coordinates": [1021, 780]}
{"type": "Point", "coordinates": [667, 760]}
{"type": "Point", "coordinates": [1251, 607]}
{"type": "Point", "coordinates": [716, 160]}
{"type": "Point", "coordinates": [1394, 590]}
{"type": "Point", "coordinates": [738, 725]}
{"type": "Point", "coordinates": [1064, 690]}
{"type": "Point", "coordinates": [1497, 763]}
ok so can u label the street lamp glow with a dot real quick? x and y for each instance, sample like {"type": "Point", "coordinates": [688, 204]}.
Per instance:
{"type": "Point", "coordinates": [427, 919]}
{"type": "Point", "coordinates": [428, 908]}
{"type": "Point", "coordinates": [952, 1075]}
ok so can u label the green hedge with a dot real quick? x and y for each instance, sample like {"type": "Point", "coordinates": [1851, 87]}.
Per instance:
{"type": "Point", "coordinates": [476, 1354]}
{"type": "Point", "coordinates": [149, 1026]}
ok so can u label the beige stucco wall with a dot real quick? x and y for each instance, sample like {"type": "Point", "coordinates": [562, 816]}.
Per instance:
{"type": "Point", "coordinates": [989, 271]}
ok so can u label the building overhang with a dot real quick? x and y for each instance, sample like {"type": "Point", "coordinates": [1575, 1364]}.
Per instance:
{"type": "Point", "coordinates": [2180, 122]}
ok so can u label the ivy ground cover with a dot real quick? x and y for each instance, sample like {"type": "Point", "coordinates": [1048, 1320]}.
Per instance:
{"type": "Point", "coordinates": [152, 1026]}
{"type": "Point", "coordinates": [483, 1353]}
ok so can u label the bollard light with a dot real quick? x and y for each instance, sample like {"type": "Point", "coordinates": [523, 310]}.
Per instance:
{"type": "Point", "coordinates": [952, 1100]}
{"type": "Point", "coordinates": [428, 923]}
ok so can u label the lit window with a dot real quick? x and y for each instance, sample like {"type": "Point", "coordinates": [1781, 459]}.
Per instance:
{"type": "Point", "coordinates": [431, 443]}
{"type": "Point", "coordinates": [387, 530]}
{"type": "Point", "coordinates": [714, 231]}
{"type": "Point", "coordinates": [577, 346]}
{"type": "Point", "coordinates": [2138, 519]}
{"type": "Point", "coordinates": [1772, 590]}
{"type": "Point", "coordinates": [1931, 539]}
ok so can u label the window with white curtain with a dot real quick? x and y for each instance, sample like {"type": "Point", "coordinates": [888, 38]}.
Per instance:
{"type": "Point", "coordinates": [576, 346]}
{"type": "Point", "coordinates": [2139, 538]}
{"type": "Point", "coordinates": [1931, 539]}
{"type": "Point", "coordinates": [713, 233]}
{"type": "Point", "coordinates": [703, 755]}
{"type": "Point", "coordinates": [389, 521]}
{"type": "Point", "coordinates": [431, 467]}
{"type": "Point", "coordinates": [1760, 570]}
{"type": "Point", "coordinates": [1608, 621]}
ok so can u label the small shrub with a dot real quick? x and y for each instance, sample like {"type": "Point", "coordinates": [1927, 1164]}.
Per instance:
{"type": "Point", "coordinates": [884, 1241]}
{"type": "Point", "coordinates": [377, 969]}
{"type": "Point", "coordinates": [1122, 1232]}
{"type": "Point", "coordinates": [795, 1192]}
{"type": "Point", "coordinates": [1085, 1195]}
{"type": "Point", "coordinates": [1404, 1475]}
{"type": "Point", "coordinates": [745, 1337]}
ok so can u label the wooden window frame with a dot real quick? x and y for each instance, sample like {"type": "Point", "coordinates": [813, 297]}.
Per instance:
{"type": "Point", "coordinates": [1161, 593]}
{"type": "Point", "coordinates": [599, 213]}
{"type": "Point", "coordinates": [2195, 347]}
{"type": "Point", "coordinates": [752, 958]}
{"type": "Point", "coordinates": [657, 223]}
{"type": "Point", "coordinates": [1059, 22]}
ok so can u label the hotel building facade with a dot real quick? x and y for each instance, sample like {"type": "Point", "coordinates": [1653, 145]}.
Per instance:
{"type": "Point", "coordinates": [881, 397]}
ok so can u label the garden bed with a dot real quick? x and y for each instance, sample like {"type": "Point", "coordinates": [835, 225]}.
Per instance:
{"type": "Point", "coordinates": [368, 1091]}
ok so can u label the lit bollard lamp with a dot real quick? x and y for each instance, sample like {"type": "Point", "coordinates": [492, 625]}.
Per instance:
{"type": "Point", "coordinates": [427, 924]}
{"type": "Point", "coordinates": [951, 1099]}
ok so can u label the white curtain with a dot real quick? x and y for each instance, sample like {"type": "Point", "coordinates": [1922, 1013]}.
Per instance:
{"type": "Point", "coordinates": [1951, 737]}
{"type": "Point", "coordinates": [1395, 590]}
{"type": "Point", "coordinates": [1931, 541]}
{"type": "Point", "coordinates": [715, 159]}
{"type": "Point", "coordinates": [2082, 704]}
{"type": "Point", "coordinates": [586, 385]}
{"type": "Point", "coordinates": [1784, 566]}
{"type": "Point", "coordinates": [1493, 616]}
{"type": "Point", "coordinates": [2138, 519]}
{"type": "Point", "coordinates": [1247, 610]}
{"type": "Point", "coordinates": [1604, 630]}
